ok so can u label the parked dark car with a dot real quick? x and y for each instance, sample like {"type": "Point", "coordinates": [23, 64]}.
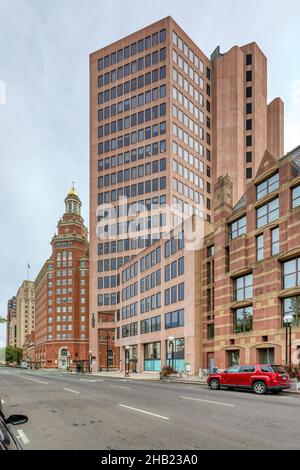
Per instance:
{"type": "Point", "coordinates": [7, 439]}
{"type": "Point", "coordinates": [260, 378]}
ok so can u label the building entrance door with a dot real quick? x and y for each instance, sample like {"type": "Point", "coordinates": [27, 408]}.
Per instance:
{"type": "Point", "coordinates": [62, 363]}
{"type": "Point", "coordinates": [63, 358]}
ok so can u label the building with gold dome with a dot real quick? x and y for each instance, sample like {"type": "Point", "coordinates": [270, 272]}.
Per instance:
{"type": "Point", "coordinates": [62, 294]}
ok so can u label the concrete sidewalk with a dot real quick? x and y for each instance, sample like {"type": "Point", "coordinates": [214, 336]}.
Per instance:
{"type": "Point", "coordinates": [154, 377]}
{"type": "Point", "coordinates": [132, 376]}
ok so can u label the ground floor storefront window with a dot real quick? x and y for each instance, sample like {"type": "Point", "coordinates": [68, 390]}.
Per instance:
{"type": "Point", "coordinates": [175, 354]}
{"type": "Point", "coordinates": [152, 357]}
{"type": "Point", "coordinates": [133, 357]}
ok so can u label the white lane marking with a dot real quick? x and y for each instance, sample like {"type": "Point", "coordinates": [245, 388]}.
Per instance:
{"type": "Point", "coordinates": [33, 380]}
{"type": "Point", "coordinates": [22, 435]}
{"type": "Point", "coordinates": [207, 401]}
{"type": "Point", "coordinates": [69, 390]}
{"type": "Point", "coordinates": [120, 386]}
{"type": "Point", "coordinates": [145, 412]}
{"type": "Point", "coordinates": [89, 380]}
{"type": "Point", "coordinates": [2, 401]}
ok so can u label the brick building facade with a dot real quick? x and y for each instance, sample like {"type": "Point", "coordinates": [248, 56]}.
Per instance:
{"type": "Point", "coordinates": [253, 276]}
{"type": "Point", "coordinates": [11, 325]}
{"type": "Point", "coordinates": [62, 294]}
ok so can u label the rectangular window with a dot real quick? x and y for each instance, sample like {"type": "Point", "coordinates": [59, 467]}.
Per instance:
{"type": "Point", "coordinates": [291, 273]}
{"type": "Point", "coordinates": [296, 197]}
{"type": "Point", "coordinates": [275, 243]}
{"type": "Point", "coordinates": [243, 320]}
{"type": "Point", "coordinates": [174, 319]}
{"type": "Point", "coordinates": [210, 331]}
{"type": "Point", "coordinates": [292, 305]}
{"type": "Point", "coordinates": [267, 186]}
{"type": "Point", "coordinates": [237, 228]}
{"type": "Point", "coordinates": [249, 59]}
{"type": "Point", "coordinates": [248, 173]}
{"type": "Point", "coordinates": [267, 213]}
{"type": "Point", "coordinates": [243, 287]}
{"type": "Point", "coordinates": [259, 248]}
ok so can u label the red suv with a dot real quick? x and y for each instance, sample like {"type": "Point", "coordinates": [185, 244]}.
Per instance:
{"type": "Point", "coordinates": [259, 378]}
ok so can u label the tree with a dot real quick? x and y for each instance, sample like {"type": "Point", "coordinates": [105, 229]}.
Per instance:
{"type": "Point", "coordinates": [2, 320]}
{"type": "Point", "coordinates": [13, 354]}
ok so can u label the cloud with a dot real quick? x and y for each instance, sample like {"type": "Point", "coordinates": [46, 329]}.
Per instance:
{"type": "Point", "coordinates": [292, 121]}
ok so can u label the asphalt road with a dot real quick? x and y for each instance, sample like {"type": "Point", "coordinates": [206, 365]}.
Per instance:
{"type": "Point", "coordinates": [86, 412]}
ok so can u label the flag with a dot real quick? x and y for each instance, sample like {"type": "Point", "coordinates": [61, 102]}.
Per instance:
{"type": "Point", "coordinates": [28, 266]}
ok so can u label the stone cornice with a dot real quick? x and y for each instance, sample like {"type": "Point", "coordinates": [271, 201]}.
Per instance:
{"type": "Point", "coordinates": [291, 292]}
{"type": "Point", "coordinates": [241, 272]}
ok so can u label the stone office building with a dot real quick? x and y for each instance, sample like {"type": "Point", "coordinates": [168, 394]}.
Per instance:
{"type": "Point", "coordinates": [166, 121]}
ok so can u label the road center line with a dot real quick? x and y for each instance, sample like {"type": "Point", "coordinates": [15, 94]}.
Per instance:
{"type": "Point", "coordinates": [91, 380]}
{"type": "Point", "coordinates": [32, 380]}
{"type": "Point", "coordinates": [120, 386]}
{"type": "Point", "coordinates": [207, 401]}
{"type": "Point", "coordinates": [69, 390]}
{"type": "Point", "coordinates": [22, 435]}
{"type": "Point", "coordinates": [145, 412]}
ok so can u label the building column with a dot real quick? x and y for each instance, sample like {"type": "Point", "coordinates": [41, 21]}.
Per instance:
{"type": "Point", "coordinates": [163, 352]}
{"type": "Point", "coordinates": [140, 364]}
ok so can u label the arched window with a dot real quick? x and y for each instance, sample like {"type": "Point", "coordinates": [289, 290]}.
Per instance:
{"type": "Point", "coordinates": [64, 352]}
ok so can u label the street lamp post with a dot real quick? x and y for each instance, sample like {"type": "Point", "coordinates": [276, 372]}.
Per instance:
{"type": "Point", "coordinates": [171, 340]}
{"type": "Point", "coordinates": [107, 346]}
{"type": "Point", "coordinates": [126, 361]}
{"type": "Point", "coordinates": [68, 360]}
{"type": "Point", "coordinates": [288, 320]}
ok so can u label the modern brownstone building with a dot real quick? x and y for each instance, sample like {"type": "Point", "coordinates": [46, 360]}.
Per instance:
{"type": "Point", "coordinates": [62, 294]}
{"type": "Point", "coordinates": [165, 122]}
{"type": "Point", "coordinates": [251, 268]}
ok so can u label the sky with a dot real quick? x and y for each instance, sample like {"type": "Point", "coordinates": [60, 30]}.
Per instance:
{"type": "Point", "coordinates": [44, 59]}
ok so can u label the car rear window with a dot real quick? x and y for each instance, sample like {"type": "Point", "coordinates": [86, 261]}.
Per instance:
{"type": "Point", "coordinates": [266, 369]}
{"type": "Point", "coordinates": [279, 369]}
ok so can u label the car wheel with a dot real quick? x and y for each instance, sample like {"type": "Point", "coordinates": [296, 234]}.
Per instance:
{"type": "Point", "coordinates": [259, 388]}
{"type": "Point", "coordinates": [214, 384]}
